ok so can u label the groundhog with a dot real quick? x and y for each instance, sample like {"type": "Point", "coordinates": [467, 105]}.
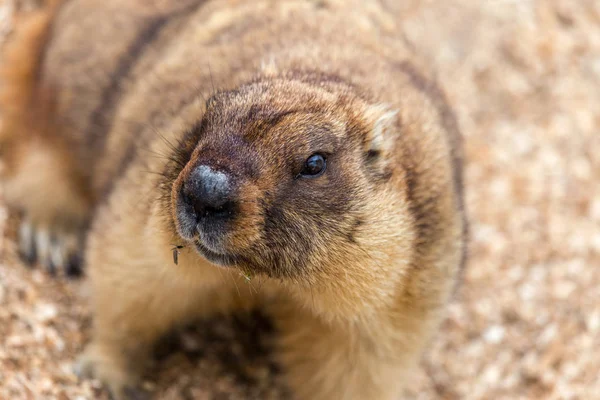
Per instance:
{"type": "Point", "coordinates": [214, 156]}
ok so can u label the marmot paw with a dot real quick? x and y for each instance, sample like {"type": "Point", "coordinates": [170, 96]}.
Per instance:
{"type": "Point", "coordinates": [57, 250]}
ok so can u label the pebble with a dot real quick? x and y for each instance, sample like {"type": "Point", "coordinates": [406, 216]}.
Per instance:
{"type": "Point", "coordinates": [45, 312]}
{"type": "Point", "coordinates": [494, 334]}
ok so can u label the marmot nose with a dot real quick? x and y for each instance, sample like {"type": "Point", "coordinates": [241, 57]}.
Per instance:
{"type": "Point", "coordinates": [209, 192]}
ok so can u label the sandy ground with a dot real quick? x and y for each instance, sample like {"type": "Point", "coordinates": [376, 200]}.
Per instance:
{"type": "Point", "coordinates": [524, 78]}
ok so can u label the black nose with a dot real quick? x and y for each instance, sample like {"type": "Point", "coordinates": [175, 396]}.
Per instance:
{"type": "Point", "coordinates": [209, 192]}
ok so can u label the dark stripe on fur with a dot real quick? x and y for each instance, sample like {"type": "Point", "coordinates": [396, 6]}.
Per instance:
{"type": "Point", "coordinates": [101, 119]}
{"type": "Point", "coordinates": [448, 119]}
{"type": "Point", "coordinates": [450, 124]}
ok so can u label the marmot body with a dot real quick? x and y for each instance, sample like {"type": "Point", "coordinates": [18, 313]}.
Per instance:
{"type": "Point", "coordinates": [299, 144]}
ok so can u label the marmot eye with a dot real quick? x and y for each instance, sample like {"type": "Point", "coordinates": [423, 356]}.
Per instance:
{"type": "Point", "coordinates": [314, 166]}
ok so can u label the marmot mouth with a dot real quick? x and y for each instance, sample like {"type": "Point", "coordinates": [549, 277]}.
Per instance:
{"type": "Point", "coordinates": [224, 260]}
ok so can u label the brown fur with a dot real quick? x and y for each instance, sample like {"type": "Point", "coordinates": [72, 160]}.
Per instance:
{"type": "Point", "coordinates": [354, 267]}
{"type": "Point", "coordinates": [26, 111]}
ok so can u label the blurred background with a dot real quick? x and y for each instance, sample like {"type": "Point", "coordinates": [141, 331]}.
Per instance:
{"type": "Point", "coordinates": [524, 79]}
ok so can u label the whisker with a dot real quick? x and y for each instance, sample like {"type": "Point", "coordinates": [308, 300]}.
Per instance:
{"type": "Point", "coordinates": [235, 283]}
{"type": "Point", "coordinates": [261, 282]}
{"type": "Point", "coordinates": [156, 173]}
{"type": "Point", "coordinates": [164, 139]}
{"type": "Point", "coordinates": [212, 81]}
{"type": "Point", "coordinates": [223, 280]}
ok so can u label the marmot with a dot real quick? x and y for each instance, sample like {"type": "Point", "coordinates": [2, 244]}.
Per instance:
{"type": "Point", "coordinates": [201, 144]}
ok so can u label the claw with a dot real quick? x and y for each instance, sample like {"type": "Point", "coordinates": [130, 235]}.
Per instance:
{"type": "Point", "coordinates": [73, 267]}
{"type": "Point", "coordinates": [27, 248]}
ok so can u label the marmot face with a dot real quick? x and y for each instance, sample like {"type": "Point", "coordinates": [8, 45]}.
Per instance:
{"type": "Point", "coordinates": [276, 176]}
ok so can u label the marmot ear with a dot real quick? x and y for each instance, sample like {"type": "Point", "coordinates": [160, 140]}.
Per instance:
{"type": "Point", "coordinates": [383, 122]}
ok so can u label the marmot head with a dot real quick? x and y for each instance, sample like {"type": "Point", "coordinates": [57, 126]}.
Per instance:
{"type": "Point", "coordinates": [288, 177]}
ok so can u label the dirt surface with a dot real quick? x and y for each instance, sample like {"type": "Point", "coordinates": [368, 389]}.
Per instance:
{"type": "Point", "coordinates": [524, 78]}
